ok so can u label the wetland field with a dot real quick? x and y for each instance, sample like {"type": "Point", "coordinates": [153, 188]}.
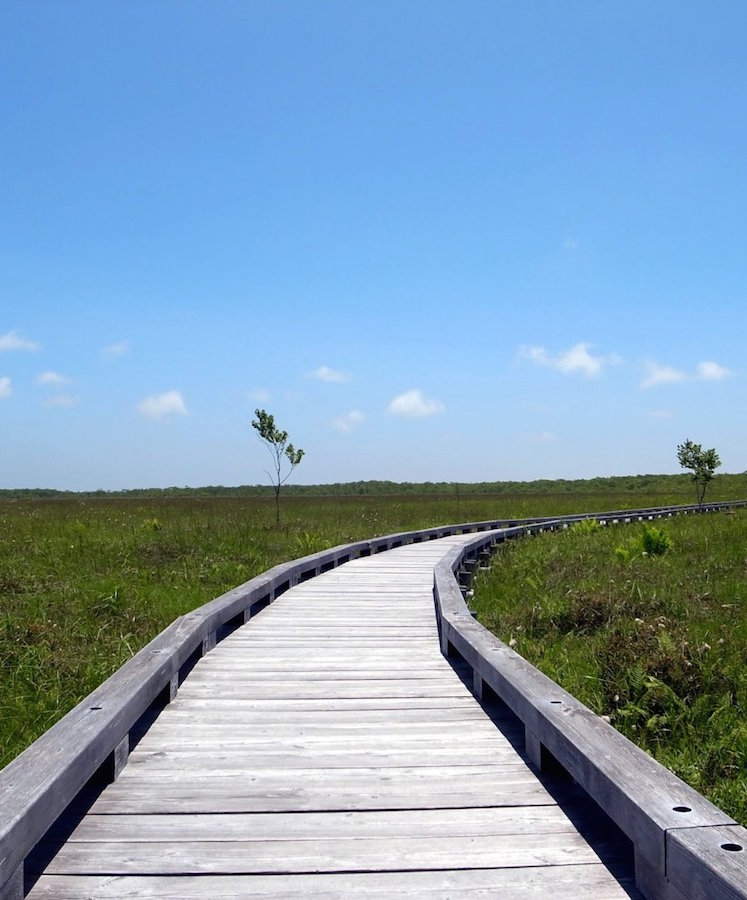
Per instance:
{"type": "Point", "coordinates": [657, 643]}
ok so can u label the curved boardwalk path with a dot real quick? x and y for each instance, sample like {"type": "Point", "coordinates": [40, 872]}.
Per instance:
{"type": "Point", "coordinates": [327, 748]}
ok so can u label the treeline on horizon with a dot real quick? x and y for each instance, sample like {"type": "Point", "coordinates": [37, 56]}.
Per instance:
{"type": "Point", "coordinates": [679, 484]}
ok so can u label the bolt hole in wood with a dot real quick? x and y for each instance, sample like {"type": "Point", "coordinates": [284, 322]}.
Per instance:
{"type": "Point", "coordinates": [556, 702]}
{"type": "Point", "coordinates": [94, 708]}
{"type": "Point", "coordinates": [733, 848]}
{"type": "Point", "coordinates": [682, 809]}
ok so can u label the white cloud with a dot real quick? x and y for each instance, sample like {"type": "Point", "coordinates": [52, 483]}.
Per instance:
{"type": "Point", "coordinates": [704, 371]}
{"type": "Point", "coordinates": [259, 395]}
{"type": "Point", "coordinates": [324, 373]}
{"type": "Point", "coordinates": [348, 421]}
{"type": "Point", "coordinates": [544, 437]}
{"type": "Point", "coordinates": [120, 348]}
{"type": "Point", "coordinates": [162, 406]}
{"type": "Point", "coordinates": [12, 340]}
{"type": "Point", "coordinates": [711, 371]}
{"type": "Point", "coordinates": [577, 359]}
{"type": "Point", "coordinates": [658, 374]}
{"type": "Point", "coordinates": [413, 404]}
{"type": "Point", "coordinates": [62, 400]}
{"type": "Point", "coordinates": [51, 378]}
{"type": "Point", "coordinates": [5, 388]}
{"type": "Point", "coordinates": [536, 355]}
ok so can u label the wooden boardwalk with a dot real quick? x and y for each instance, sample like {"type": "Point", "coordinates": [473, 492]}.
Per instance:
{"type": "Point", "coordinates": [327, 748]}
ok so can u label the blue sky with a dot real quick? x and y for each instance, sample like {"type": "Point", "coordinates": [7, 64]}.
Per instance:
{"type": "Point", "coordinates": [439, 241]}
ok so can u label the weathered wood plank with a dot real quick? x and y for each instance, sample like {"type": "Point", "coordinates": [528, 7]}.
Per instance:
{"type": "Point", "coordinates": [231, 796]}
{"type": "Point", "coordinates": [319, 748]}
{"type": "Point", "coordinates": [215, 857]}
{"type": "Point", "coordinates": [420, 779]}
{"type": "Point", "coordinates": [258, 704]}
{"type": "Point", "coordinates": [235, 714]}
{"type": "Point", "coordinates": [334, 689]}
{"type": "Point", "coordinates": [570, 882]}
{"type": "Point", "coordinates": [327, 756]}
{"type": "Point", "coordinates": [237, 677]}
{"type": "Point", "coordinates": [327, 826]}
{"type": "Point", "coordinates": [355, 731]}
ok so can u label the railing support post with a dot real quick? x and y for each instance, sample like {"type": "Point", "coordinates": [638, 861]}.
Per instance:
{"type": "Point", "coordinates": [120, 755]}
{"type": "Point", "coordinates": [533, 748]}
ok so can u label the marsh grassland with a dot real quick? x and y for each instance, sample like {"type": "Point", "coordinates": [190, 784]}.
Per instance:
{"type": "Point", "coordinates": [656, 643]}
{"type": "Point", "coordinates": [86, 582]}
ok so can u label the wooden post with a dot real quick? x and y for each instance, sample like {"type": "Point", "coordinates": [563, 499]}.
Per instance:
{"type": "Point", "coordinates": [533, 748]}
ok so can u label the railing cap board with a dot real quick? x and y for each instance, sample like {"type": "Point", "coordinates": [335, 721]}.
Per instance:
{"type": "Point", "coordinates": [704, 863]}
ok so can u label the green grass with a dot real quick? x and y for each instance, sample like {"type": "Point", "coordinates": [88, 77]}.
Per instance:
{"type": "Point", "coordinates": [656, 643]}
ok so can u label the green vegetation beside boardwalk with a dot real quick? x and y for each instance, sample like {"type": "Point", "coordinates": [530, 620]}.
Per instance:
{"type": "Point", "coordinates": [658, 643]}
{"type": "Point", "coordinates": [86, 581]}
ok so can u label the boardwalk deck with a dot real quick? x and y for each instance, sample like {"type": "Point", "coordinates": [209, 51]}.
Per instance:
{"type": "Point", "coordinates": [328, 749]}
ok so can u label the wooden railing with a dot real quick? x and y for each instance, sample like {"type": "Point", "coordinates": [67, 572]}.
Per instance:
{"type": "Point", "coordinates": [90, 744]}
{"type": "Point", "coordinates": [684, 846]}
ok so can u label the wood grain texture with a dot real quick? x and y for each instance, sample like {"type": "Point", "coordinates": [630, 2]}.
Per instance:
{"type": "Point", "coordinates": [723, 877]}
{"type": "Point", "coordinates": [571, 882]}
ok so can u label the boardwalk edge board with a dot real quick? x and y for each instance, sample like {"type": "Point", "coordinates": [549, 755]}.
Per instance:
{"type": "Point", "coordinates": [90, 745]}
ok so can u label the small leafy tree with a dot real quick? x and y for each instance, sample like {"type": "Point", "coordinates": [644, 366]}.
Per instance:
{"type": "Point", "coordinates": [281, 451]}
{"type": "Point", "coordinates": [702, 462]}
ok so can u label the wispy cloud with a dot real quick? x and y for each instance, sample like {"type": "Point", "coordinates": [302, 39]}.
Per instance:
{"type": "Point", "coordinates": [52, 378]}
{"type": "Point", "coordinates": [5, 388]}
{"type": "Point", "coordinates": [163, 406]}
{"type": "Point", "coordinates": [62, 401]}
{"type": "Point", "coordinates": [12, 340]}
{"type": "Point", "coordinates": [711, 371]}
{"type": "Point", "coordinates": [656, 374]}
{"type": "Point", "coordinates": [570, 244]}
{"type": "Point", "coordinates": [120, 348]}
{"type": "Point", "coordinates": [578, 359]}
{"type": "Point", "coordinates": [660, 414]}
{"type": "Point", "coordinates": [544, 437]}
{"type": "Point", "coordinates": [414, 405]}
{"type": "Point", "coordinates": [259, 395]}
{"type": "Point", "coordinates": [331, 376]}
{"type": "Point", "coordinates": [348, 421]}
